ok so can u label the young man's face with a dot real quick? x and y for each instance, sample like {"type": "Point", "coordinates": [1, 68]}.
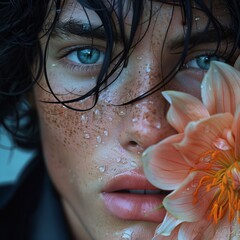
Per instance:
{"type": "Point", "coordinates": [94, 157]}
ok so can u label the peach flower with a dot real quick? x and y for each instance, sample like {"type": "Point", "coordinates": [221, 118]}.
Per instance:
{"type": "Point", "coordinates": [201, 164]}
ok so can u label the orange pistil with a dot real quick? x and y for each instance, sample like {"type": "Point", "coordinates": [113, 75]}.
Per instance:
{"type": "Point", "coordinates": [223, 177]}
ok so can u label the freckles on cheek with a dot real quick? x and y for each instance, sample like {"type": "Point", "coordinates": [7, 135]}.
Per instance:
{"type": "Point", "coordinates": [72, 131]}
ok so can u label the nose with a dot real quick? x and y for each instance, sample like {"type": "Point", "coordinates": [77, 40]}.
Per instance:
{"type": "Point", "coordinates": [146, 124]}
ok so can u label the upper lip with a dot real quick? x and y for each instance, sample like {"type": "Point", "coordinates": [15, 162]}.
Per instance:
{"type": "Point", "coordinates": [129, 180]}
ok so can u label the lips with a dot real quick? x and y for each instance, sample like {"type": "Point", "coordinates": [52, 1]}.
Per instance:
{"type": "Point", "coordinates": [130, 196]}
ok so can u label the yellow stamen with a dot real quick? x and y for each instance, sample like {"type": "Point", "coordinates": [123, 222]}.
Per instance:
{"type": "Point", "coordinates": [223, 178]}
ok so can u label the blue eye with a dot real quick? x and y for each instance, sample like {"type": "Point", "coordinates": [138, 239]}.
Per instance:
{"type": "Point", "coordinates": [86, 56]}
{"type": "Point", "coordinates": [203, 62]}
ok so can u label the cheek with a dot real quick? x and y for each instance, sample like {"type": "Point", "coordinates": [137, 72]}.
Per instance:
{"type": "Point", "coordinates": [188, 81]}
{"type": "Point", "coordinates": [71, 139]}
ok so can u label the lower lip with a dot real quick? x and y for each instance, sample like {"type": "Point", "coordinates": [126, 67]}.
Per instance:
{"type": "Point", "coordinates": [135, 206]}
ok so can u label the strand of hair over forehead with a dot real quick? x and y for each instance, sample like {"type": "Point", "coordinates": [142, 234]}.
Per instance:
{"type": "Point", "coordinates": [106, 18]}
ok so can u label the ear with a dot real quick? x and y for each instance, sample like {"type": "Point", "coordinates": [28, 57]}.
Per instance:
{"type": "Point", "coordinates": [237, 63]}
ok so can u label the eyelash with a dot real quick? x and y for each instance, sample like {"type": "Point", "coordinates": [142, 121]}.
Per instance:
{"type": "Point", "coordinates": [79, 67]}
{"type": "Point", "coordinates": [94, 69]}
{"type": "Point", "coordinates": [207, 55]}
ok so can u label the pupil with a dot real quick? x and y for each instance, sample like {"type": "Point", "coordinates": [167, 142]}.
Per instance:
{"type": "Point", "coordinates": [88, 56]}
{"type": "Point", "coordinates": [204, 61]}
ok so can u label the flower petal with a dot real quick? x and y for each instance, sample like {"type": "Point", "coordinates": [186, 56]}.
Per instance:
{"type": "Point", "coordinates": [223, 229]}
{"type": "Point", "coordinates": [184, 108]}
{"type": "Point", "coordinates": [221, 88]}
{"type": "Point", "coordinates": [173, 236]}
{"type": "Point", "coordinates": [236, 132]}
{"type": "Point", "coordinates": [201, 137]}
{"type": "Point", "coordinates": [197, 230]}
{"type": "Point", "coordinates": [184, 204]}
{"type": "Point", "coordinates": [163, 165]}
{"type": "Point", "coordinates": [234, 229]}
{"type": "Point", "coordinates": [168, 225]}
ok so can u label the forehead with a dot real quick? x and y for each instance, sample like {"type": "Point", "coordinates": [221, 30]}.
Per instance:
{"type": "Point", "coordinates": [75, 9]}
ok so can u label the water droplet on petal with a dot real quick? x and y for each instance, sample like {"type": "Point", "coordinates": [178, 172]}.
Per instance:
{"type": "Point", "coordinates": [206, 159]}
{"type": "Point", "coordinates": [194, 184]}
{"type": "Point", "coordinates": [222, 144]}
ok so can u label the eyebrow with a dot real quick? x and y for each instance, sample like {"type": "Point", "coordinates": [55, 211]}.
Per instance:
{"type": "Point", "coordinates": [196, 38]}
{"type": "Point", "coordinates": [81, 29]}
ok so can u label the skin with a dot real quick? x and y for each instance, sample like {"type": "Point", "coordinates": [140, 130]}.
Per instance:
{"type": "Point", "coordinates": [85, 150]}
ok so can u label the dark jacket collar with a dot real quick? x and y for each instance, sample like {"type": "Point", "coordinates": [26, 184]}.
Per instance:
{"type": "Point", "coordinates": [30, 209]}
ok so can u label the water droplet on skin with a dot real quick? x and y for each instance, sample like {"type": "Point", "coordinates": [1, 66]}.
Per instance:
{"type": "Point", "coordinates": [105, 133]}
{"type": "Point", "coordinates": [120, 160]}
{"type": "Point", "coordinates": [133, 164]}
{"type": "Point", "coordinates": [54, 65]}
{"type": "Point", "coordinates": [102, 169]}
{"type": "Point", "coordinates": [197, 18]}
{"type": "Point", "coordinates": [158, 125]}
{"type": "Point", "coordinates": [138, 105]}
{"type": "Point", "coordinates": [108, 100]}
{"type": "Point", "coordinates": [139, 58]}
{"type": "Point", "coordinates": [122, 113]}
{"type": "Point", "coordinates": [123, 161]}
{"type": "Point", "coordinates": [110, 119]}
{"type": "Point", "coordinates": [84, 119]}
{"type": "Point", "coordinates": [99, 139]}
{"type": "Point", "coordinates": [127, 234]}
{"type": "Point", "coordinates": [87, 136]}
{"type": "Point", "coordinates": [134, 120]}
{"type": "Point", "coordinates": [97, 114]}
{"type": "Point", "coordinates": [148, 68]}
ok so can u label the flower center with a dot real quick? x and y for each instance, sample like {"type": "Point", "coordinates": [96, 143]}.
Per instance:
{"type": "Point", "coordinates": [222, 177]}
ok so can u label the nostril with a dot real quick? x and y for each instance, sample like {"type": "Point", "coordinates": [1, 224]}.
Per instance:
{"type": "Point", "coordinates": [133, 144]}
